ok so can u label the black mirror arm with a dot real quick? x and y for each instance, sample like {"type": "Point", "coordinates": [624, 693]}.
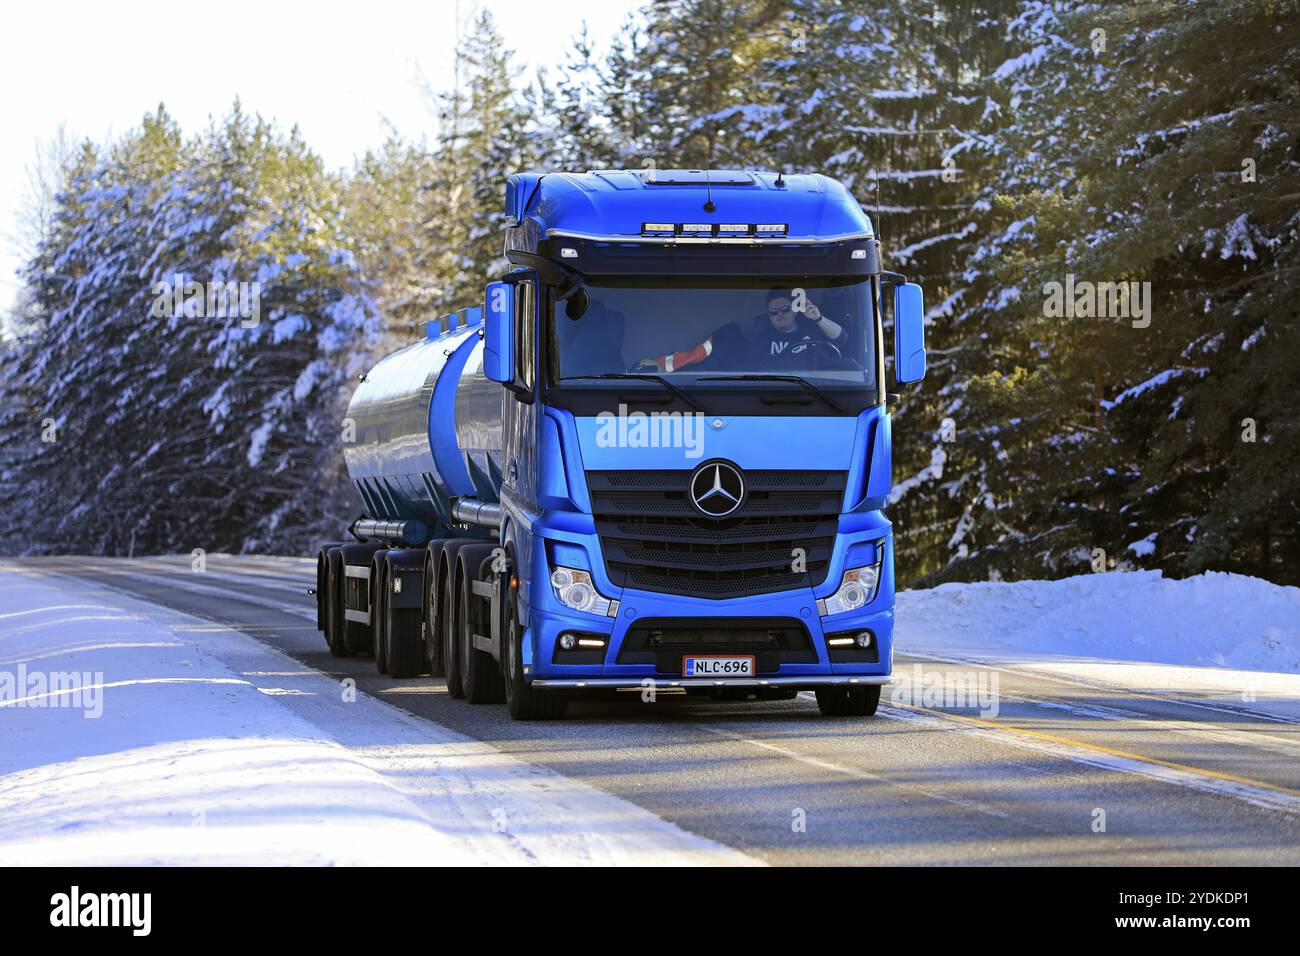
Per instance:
{"type": "Point", "coordinates": [551, 272]}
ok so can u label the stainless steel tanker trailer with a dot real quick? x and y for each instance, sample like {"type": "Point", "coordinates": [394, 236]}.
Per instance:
{"type": "Point", "coordinates": [656, 456]}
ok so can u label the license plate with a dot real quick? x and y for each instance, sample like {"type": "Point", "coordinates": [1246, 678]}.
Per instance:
{"type": "Point", "coordinates": [718, 666]}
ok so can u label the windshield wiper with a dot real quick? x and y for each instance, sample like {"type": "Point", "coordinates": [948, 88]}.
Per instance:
{"type": "Point", "coordinates": [798, 379]}
{"type": "Point", "coordinates": [645, 377]}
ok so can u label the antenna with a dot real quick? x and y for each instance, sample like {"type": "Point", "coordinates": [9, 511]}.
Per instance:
{"type": "Point", "coordinates": [875, 175]}
{"type": "Point", "coordinates": [708, 205]}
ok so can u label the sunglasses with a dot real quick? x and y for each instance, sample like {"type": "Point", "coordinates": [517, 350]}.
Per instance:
{"type": "Point", "coordinates": [779, 310]}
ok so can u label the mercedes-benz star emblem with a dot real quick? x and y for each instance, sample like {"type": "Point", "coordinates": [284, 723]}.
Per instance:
{"type": "Point", "coordinates": [717, 489]}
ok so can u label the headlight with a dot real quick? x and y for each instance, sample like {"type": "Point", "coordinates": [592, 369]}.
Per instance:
{"type": "Point", "coordinates": [573, 589]}
{"type": "Point", "coordinates": [857, 589]}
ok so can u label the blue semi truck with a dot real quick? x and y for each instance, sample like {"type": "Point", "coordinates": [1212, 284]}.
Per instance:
{"type": "Point", "coordinates": [655, 458]}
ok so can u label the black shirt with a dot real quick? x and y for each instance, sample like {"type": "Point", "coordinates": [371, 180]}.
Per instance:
{"type": "Point", "coordinates": [772, 342]}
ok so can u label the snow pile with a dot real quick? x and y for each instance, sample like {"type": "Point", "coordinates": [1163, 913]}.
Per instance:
{"type": "Point", "coordinates": [1213, 619]}
{"type": "Point", "coordinates": [137, 735]}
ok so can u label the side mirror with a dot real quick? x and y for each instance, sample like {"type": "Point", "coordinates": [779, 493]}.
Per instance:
{"type": "Point", "coordinates": [499, 332]}
{"type": "Point", "coordinates": [909, 333]}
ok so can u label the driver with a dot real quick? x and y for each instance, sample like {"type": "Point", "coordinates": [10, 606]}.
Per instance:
{"type": "Point", "coordinates": [785, 328]}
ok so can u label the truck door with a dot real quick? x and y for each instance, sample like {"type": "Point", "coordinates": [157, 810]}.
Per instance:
{"type": "Point", "coordinates": [519, 410]}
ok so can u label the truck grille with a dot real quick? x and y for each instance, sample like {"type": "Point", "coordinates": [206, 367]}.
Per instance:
{"type": "Point", "coordinates": [663, 641]}
{"type": "Point", "coordinates": [654, 539]}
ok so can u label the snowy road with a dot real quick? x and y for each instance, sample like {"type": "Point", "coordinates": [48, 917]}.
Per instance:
{"type": "Point", "coordinates": [1079, 762]}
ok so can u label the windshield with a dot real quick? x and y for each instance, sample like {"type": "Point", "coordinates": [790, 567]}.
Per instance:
{"type": "Point", "coordinates": [709, 332]}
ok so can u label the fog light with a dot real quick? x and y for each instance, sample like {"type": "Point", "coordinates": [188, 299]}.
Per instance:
{"type": "Point", "coordinates": [568, 641]}
{"type": "Point", "coordinates": [853, 647]}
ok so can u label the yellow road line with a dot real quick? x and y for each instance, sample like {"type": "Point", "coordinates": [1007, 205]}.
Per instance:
{"type": "Point", "coordinates": [1110, 751]}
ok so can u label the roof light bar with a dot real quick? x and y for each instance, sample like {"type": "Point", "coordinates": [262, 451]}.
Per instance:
{"type": "Point", "coordinates": [727, 229]}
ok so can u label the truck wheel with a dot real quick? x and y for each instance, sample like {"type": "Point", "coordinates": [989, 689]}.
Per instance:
{"type": "Point", "coordinates": [479, 675]}
{"type": "Point", "coordinates": [334, 605]}
{"type": "Point", "coordinates": [523, 702]}
{"type": "Point", "coordinates": [432, 636]}
{"type": "Point", "coordinates": [404, 644]}
{"type": "Point", "coordinates": [848, 701]}
{"type": "Point", "coordinates": [378, 615]}
{"type": "Point", "coordinates": [450, 636]}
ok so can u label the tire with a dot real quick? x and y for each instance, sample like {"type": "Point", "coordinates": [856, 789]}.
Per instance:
{"type": "Point", "coordinates": [379, 614]}
{"type": "Point", "coordinates": [848, 701]}
{"type": "Point", "coordinates": [522, 700]}
{"type": "Point", "coordinates": [479, 675]}
{"type": "Point", "coordinates": [432, 635]}
{"type": "Point", "coordinates": [322, 587]}
{"type": "Point", "coordinates": [404, 644]}
{"type": "Point", "coordinates": [450, 636]}
{"type": "Point", "coordinates": [334, 620]}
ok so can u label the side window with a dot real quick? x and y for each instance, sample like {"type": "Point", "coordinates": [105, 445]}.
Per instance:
{"type": "Point", "coordinates": [525, 338]}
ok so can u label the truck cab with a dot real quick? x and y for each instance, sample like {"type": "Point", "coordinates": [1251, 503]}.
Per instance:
{"type": "Point", "coordinates": [695, 439]}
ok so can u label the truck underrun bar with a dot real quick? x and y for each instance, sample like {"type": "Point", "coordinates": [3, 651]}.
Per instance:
{"type": "Point", "coordinates": [669, 682]}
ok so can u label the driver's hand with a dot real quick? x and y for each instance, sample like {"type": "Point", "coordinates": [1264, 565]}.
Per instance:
{"type": "Point", "coordinates": [813, 312]}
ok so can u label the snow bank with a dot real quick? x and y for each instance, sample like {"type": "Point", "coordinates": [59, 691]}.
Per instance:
{"type": "Point", "coordinates": [1213, 619]}
{"type": "Point", "coordinates": [137, 735]}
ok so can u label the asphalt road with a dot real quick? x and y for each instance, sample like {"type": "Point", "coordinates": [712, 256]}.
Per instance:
{"type": "Point", "coordinates": [1174, 779]}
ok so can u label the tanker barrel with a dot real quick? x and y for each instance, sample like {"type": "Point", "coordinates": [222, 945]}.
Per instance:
{"type": "Point", "coordinates": [427, 425]}
{"type": "Point", "coordinates": [410, 533]}
{"type": "Point", "coordinates": [471, 511]}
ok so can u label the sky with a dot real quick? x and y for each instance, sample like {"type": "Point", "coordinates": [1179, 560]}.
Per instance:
{"type": "Point", "coordinates": [341, 71]}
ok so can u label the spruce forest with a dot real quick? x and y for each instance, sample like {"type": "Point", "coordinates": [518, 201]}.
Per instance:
{"type": "Point", "coordinates": [1003, 148]}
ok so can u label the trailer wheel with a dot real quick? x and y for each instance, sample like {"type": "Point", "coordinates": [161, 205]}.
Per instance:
{"type": "Point", "coordinates": [450, 635]}
{"type": "Point", "coordinates": [848, 701]}
{"type": "Point", "coordinates": [479, 675]}
{"type": "Point", "coordinates": [432, 635]}
{"type": "Point", "coordinates": [379, 615]}
{"type": "Point", "coordinates": [522, 700]}
{"type": "Point", "coordinates": [404, 647]}
{"type": "Point", "coordinates": [334, 621]}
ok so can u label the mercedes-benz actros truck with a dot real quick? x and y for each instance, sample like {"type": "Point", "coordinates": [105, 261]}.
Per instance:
{"type": "Point", "coordinates": [655, 458]}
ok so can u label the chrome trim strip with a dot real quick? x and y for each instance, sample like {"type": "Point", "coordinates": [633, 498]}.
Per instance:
{"type": "Point", "coordinates": [361, 617]}
{"type": "Point", "coordinates": [813, 680]}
